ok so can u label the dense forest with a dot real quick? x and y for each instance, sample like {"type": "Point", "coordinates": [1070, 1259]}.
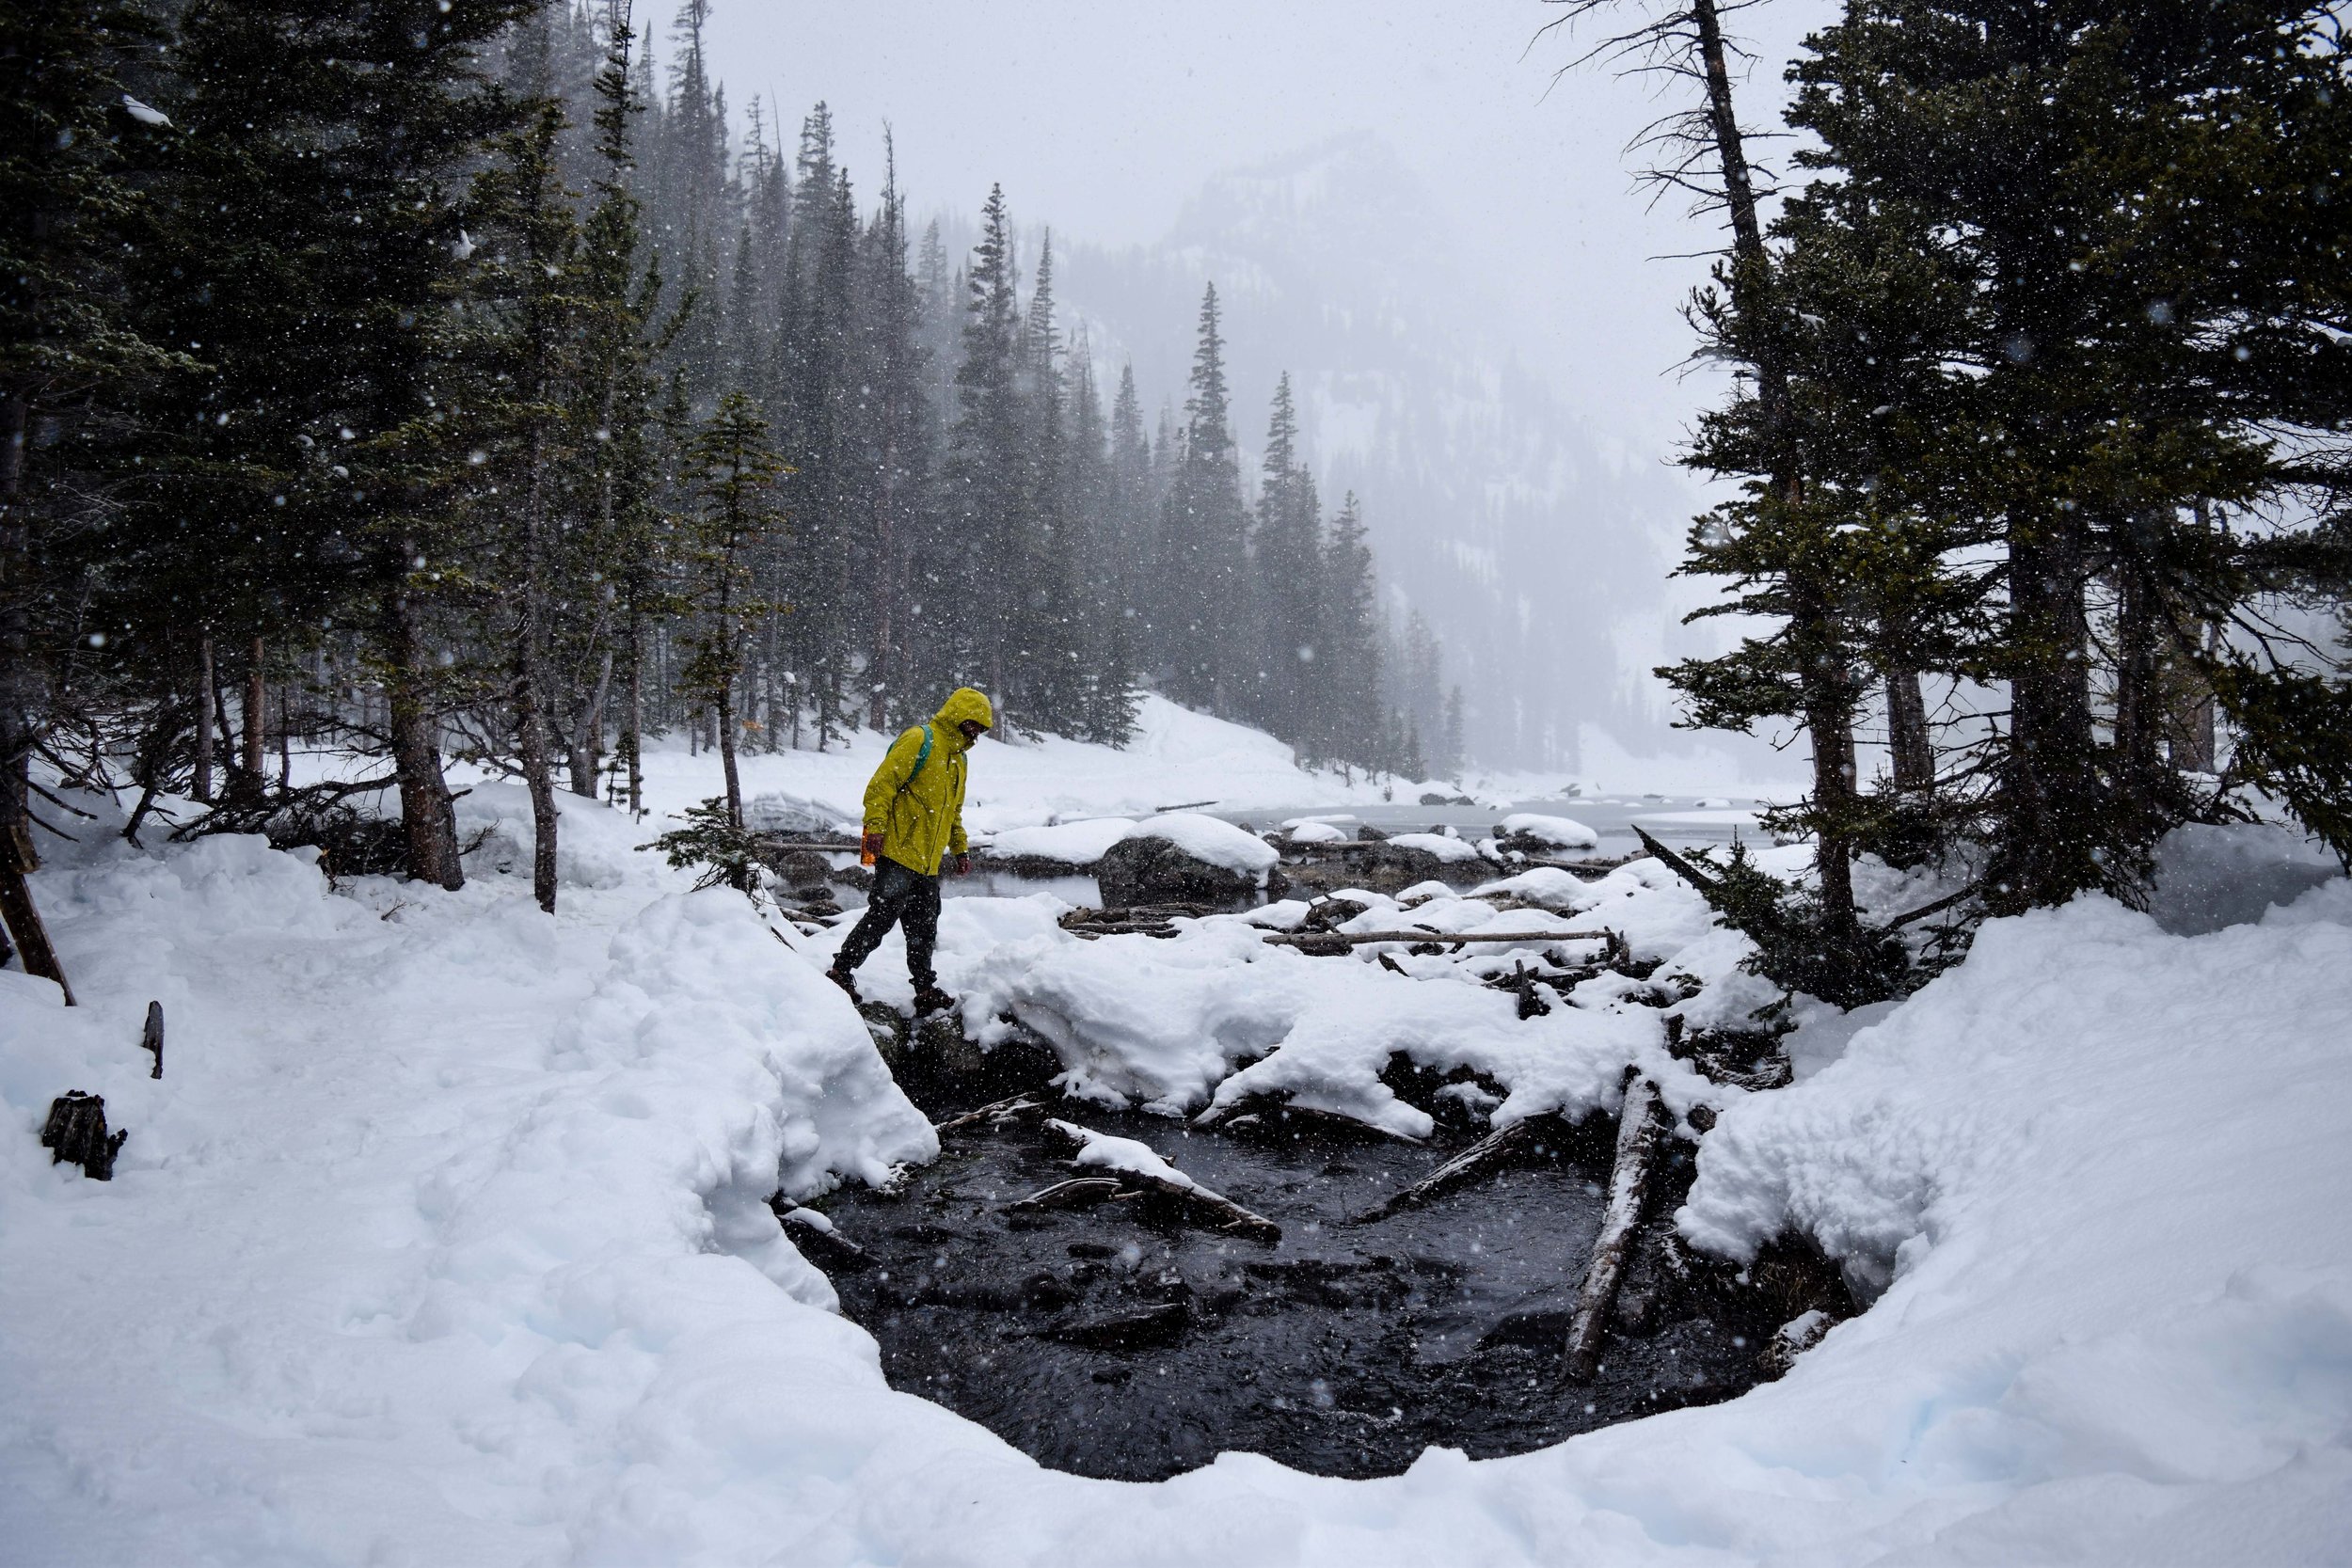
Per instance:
{"type": "Point", "coordinates": [443, 378]}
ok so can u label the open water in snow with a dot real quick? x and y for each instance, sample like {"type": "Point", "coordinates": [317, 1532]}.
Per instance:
{"type": "Point", "coordinates": [1122, 1343]}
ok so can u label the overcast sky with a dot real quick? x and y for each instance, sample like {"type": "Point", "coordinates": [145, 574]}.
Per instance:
{"type": "Point", "coordinates": [1101, 119]}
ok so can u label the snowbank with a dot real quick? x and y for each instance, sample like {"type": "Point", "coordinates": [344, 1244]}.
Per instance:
{"type": "Point", "coordinates": [1071, 843]}
{"type": "Point", "coordinates": [444, 1238]}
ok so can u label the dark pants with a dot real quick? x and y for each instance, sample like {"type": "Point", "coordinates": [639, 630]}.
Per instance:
{"type": "Point", "coordinates": [898, 895]}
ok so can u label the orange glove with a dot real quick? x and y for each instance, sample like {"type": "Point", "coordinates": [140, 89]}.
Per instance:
{"type": "Point", "coordinates": [869, 849]}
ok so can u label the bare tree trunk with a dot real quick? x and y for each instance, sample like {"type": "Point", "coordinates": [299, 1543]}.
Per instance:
{"type": "Point", "coordinates": [18, 703]}
{"type": "Point", "coordinates": [530, 730]}
{"type": "Point", "coordinates": [585, 743]}
{"type": "Point", "coordinates": [255, 711]}
{"type": "Point", "coordinates": [2048, 845]}
{"type": "Point", "coordinates": [633, 738]}
{"type": "Point", "coordinates": [428, 815]}
{"type": "Point", "coordinates": [202, 788]}
{"type": "Point", "coordinates": [1907, 736]}
{"type": "Point", "coordinates": [886, 596]}
{"type": "Point", "coordinates": [726, 711]}
{"type": "Point", "coordinates": [2140, 698]}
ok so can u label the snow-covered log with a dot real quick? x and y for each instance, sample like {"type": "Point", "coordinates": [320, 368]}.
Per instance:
{"type": "Point", "coordinates": [1139, 1167]}
{"type": "Point", "coordinates": [1639, 1127]}
{"type": "Point", "coordinates": [1313, 940]}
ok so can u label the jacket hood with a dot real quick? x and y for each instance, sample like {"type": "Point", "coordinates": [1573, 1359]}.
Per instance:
{"type": "Point", "coordinates": [961, 703]}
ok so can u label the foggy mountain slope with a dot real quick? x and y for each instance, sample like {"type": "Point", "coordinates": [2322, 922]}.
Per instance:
{"type": "Point", "coordinates": [1535, 545]}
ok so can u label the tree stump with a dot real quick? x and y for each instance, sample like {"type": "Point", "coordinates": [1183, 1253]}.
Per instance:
{"type": "Point", "coordinates": [75, 1134]}
{"type": "Point", "coordinates": [151, 1036]}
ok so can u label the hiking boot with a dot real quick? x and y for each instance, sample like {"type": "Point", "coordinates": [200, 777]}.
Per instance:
{"type": "Point", "coordinates": [842, 978]}
{"type": "Point", "coordinates": [931, 999]}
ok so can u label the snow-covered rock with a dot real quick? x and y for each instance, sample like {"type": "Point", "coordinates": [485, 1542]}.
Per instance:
{"type": "Point", "coordinates": [1559, 832]}
{"type": "Point", "coordinates": [1448, 849]}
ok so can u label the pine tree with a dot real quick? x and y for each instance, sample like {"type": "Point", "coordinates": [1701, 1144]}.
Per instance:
{"type": "Point", "coordinates": [893, 433]}
{"type": "Point", "coordinates": [1202, 570]}
{"type": "Point", "coordinates": [733, 471]}
{"type": "Point", "coordinates": [523, 410]}
{"type": "Point", "coordinates": [1350, 724]}
{"type": "Point", "coordinates": [2140, 332]}
{"type": "Point", "coordinates": [1049, 620]}
{"type": "Point", "coordinates": [984, 479]}
{"type": "Point", "coordinates": [1288, 551]}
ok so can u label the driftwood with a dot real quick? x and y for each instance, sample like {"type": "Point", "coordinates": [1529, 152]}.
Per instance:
{"type": "Point", "coordinates": [1151, 920]}
{"type": "Point", "coordinates": [1079, 1192]}
{"type": "Point", "coordinates": [1313, 941]}
{"type": "Point", "coordinates": [1640, 1127]}
{"type": "Point", "coordinates": [996, 1113]}
{"type": "Point", "coordinates": [1212, 1208]}
{"type": "Point", "coordinates": [151, 1036]}
{"type": "Point", "coordinates": [1478, 1160]}
{"type": "Point", "coordinates": [75, 1134]}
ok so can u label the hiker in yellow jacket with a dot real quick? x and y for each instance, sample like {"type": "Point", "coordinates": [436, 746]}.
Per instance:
{"type": "Point", "coordinates": [913, 821]}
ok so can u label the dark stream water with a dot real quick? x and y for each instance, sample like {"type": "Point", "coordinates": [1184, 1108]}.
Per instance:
{"type": "Point", "coordinates": [1122, 1341]}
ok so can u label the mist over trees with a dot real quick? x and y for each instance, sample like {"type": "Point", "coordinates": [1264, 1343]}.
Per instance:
{"type": "Point", "coordinates": [460, 380]}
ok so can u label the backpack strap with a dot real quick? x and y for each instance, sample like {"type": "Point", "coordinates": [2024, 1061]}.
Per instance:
{"type": "Point", "coordinates": [922, 755]}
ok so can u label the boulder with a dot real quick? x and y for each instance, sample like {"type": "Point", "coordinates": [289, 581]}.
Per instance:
{"type": "Point", "coordinates": [1148, 869]}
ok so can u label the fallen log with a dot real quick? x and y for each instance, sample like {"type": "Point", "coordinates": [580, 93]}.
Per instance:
{"type": "Point", "coordinates": [1079, 1192]}
{"type": "Point", "coordinates": [1312, 940]}
{"type": "Point", "coordinates": [1639, 1128]}
{"type": "Point", "coordinates": [995, 1112]}
{"type": "Point", "coordinates": [820, 1242]}
{"type": "Point", "coordinates": [1168, 1182]}
{"type": "Point", "coordinates": [1477, 1160]}
{"type": "Point", "coordinates": [23, 916]}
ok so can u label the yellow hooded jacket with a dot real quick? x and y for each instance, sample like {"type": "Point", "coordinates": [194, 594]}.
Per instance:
{"type": "Point", "coordinates": [920, 815]}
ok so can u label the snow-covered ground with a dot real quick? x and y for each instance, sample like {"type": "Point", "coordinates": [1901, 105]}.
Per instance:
{"type": "Point", "coordinates": [442, 1238]}
{"type": "Point", "coordinates": [1176, 758]}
